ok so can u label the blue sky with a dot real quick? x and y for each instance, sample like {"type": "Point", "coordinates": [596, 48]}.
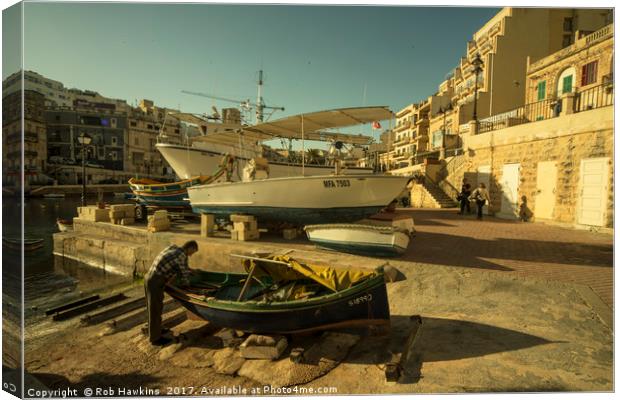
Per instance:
{"type": "Point", "coordinates": [313, 57]}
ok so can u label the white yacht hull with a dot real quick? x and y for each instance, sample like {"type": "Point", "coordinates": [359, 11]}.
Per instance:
{"type": "Point", "coordinates": [302, 200]}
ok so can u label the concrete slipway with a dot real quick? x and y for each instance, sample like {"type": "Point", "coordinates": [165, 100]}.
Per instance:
{"type": "Point", "coordinates": [481, 332]}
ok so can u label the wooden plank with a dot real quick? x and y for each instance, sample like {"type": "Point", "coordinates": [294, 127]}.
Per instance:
{"type": "Point", "coordinates": [72, 304]}
{"type": "Point", "coordinates": [75, 311]}
{"type": "Point", "coordinates": [123, 308]}
{"type": "Point", "coordinates": [394, 368]}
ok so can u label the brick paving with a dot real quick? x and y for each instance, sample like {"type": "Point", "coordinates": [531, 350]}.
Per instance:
{"type": "Point", "coordinates": [526, 249]}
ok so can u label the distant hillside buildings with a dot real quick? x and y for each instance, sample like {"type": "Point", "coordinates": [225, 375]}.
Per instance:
{"type": "Point", "coordinates": [123, 137]}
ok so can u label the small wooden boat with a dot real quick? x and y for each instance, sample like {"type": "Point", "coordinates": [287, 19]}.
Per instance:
{"type": "Point", "coordinates": [54, 196]}
{"type": "Point", "coordinates": [152, 193]}
{"type": "Point", "coordinates": [364, 239]}
{"type": "Point", "coordinates": [282, 295]}
{"type": "Point", "coordinates": [16, 243]}
{"type": "Point", "coordinates": [64, 225]}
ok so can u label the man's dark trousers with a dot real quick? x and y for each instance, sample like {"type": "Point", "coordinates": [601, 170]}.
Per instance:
{"type": "Point", "coordinates": [154, 292]}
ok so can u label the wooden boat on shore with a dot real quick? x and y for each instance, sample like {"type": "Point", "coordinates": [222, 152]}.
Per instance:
{"type": "Point", "coordinates": [64, 225]}
{"type": "Point", "coordinates": [282, 295]}
{"type": "Point", "coordinates": [153, 193]}
{"type": "Point", "coordinates": [365, 239]}
{"type": "Point", "coordinates": [16, 243]}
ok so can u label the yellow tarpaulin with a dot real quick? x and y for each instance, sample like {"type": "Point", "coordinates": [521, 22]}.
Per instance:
{"type": "Point", "coordinates": [329, 277]}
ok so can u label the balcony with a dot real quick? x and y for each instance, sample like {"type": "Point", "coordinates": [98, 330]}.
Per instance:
{"type": "Point", "coordinates": [402, 126]}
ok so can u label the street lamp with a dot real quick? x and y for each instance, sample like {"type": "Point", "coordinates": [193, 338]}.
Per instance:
{"type": "Point", "coordinates": [477, 63]}
{"type": "Point", "coordinates": [84, 140]}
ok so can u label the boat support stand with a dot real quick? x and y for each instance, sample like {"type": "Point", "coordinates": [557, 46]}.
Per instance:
{"type": "Point", "coordinates": [396, 367]}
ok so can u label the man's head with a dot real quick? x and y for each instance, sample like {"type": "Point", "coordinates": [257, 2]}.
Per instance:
{"type": "Point", "coordinates": [190, 247]}
{"type": "Point", "coordinates": [483, 186]}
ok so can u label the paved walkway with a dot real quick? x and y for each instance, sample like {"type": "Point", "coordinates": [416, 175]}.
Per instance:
{"type": "Point", "coordinates": [526, 249]}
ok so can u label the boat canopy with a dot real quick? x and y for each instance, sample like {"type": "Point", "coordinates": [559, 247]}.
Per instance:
{"type": "Point", "coordinates": [329, 277]}
{"type": "Point", "coordinates": [313, 125]}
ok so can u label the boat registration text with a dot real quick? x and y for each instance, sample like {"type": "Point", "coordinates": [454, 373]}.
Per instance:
{"type": "Point", "coordinates": [334, 183]}
{"type": "Point", "coordinates": [365, 298]}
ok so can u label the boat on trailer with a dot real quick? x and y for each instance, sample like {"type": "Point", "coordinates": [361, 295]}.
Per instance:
{"type": "Point", "coordinates": [364, 239]}
{"type": "Point", "coordinates": [282, 295]}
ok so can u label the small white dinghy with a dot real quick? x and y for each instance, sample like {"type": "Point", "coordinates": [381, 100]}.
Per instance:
{"type": "Point", "coordinates": [365, 239]}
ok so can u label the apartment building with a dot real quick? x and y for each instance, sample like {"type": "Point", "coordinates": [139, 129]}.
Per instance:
{"type": "Point", "coordinates": [502, 49]}
{"type": "Point", "coordinates": [54, 92]}
{"type": "Point", "coordinates": [552, 163]}
{"type": "Point", "coordinates": [504, 45]}
{"type": "Point", "coordinates": [147, 124]}
{"type": "Point", "coordinates": [34, 143]}
{"type": "Point", "coordinates": [104, 156]}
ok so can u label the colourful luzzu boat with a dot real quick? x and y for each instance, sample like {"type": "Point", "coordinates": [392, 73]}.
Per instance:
{"type": "Point", "coordinates": [282, 295]}
{"type": "Point", "coordinates": [152, 193]}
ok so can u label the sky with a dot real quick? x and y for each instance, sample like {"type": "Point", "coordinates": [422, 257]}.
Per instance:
{"type": "Point", "coordinates": [314, 57]}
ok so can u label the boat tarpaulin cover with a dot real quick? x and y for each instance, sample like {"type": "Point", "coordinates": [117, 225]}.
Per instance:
{"type": "Point", "coordinates": [331, 278]}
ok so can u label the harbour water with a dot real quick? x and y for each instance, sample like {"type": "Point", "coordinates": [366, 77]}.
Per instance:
{"type": "Point", "coordinates": [47, 279]}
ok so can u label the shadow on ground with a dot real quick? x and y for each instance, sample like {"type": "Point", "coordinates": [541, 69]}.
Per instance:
{"type": "Point", "coordinates": [439, 340]}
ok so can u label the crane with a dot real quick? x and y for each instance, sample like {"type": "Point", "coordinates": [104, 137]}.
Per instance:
{"type": "Point", "coordinates": [244, 104]}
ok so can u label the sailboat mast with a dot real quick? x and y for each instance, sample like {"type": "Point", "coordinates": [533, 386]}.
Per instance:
{"type": "Point", "coordinates": [259, 100]}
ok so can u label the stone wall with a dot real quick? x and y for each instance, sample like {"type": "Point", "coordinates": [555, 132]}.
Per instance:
{"type": "Point", "coordinates": [567, 140]}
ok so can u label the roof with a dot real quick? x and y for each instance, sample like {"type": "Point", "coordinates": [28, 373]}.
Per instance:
{"type": "Point", "coordinates": [314, 126]}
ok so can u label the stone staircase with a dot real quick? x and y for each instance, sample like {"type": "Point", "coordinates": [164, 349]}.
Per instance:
{"type": "Point", "coordinates": [440, 197]}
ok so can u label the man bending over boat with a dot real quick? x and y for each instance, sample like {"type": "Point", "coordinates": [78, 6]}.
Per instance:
{"type": "Point", "coordinates": [170, 263]}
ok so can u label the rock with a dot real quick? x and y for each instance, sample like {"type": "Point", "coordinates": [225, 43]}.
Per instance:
{"type": "Point", "coordinates": [229, 337]}
{"type": "Point", "coordinates": [169, 351]}
{"type": "Point", "coordinates": [227, 361]}
{"type": "Point", "coordinates": [318, 360]}
{"type": "Point", "coordinates": [263, 347]}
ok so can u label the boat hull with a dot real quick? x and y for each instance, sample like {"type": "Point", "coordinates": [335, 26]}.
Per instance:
{"type": "Point", "coordinates": [163, 195]}
{"type": "Point", "coordinates": [301, 200]}
{"type": "Point", "coordinates": [17, 244]}
{"type": "Point", "coordinates": [359, 239]}
{"type": "Point", "coordinates": [191, 161]}
{"type": "Point", "coordinates": [362, 305]}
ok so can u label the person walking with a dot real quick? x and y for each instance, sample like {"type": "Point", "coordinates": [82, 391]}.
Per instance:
{"type": "Point", "coordinates": [170, 263]}
{"type": "Point", "coordinates": [464, 197]}
{"type": "Point", "coordinates": [480, 196]}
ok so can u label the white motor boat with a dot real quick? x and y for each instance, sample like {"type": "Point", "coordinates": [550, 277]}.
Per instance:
{"type": "Point", "coordinates": [203, 155]}
{"type": "Point", "coordinates": [364, 239]}
{"type": "Point", "coordinates": [301, 200]}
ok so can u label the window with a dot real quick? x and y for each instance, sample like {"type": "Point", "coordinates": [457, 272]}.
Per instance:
{"type": "Point", "coordinates": [588, 73]}
{"type": "Point", "coordinates": [113, 155]}
{"type": "Point", "coordinates": [566, 40]}
{"type": "Point", "coordinates": [114, 141]}
{"type": "Point", "coordinates": [568, 24]}
{"type": "Point", "coordinates": [542, 86]}
{"type": "Point", "coordinates": [136, 141]}
{"type": "Point", "coordinates": [132, 123]}
{"type": "Point", "coordinates": [567, 84]}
